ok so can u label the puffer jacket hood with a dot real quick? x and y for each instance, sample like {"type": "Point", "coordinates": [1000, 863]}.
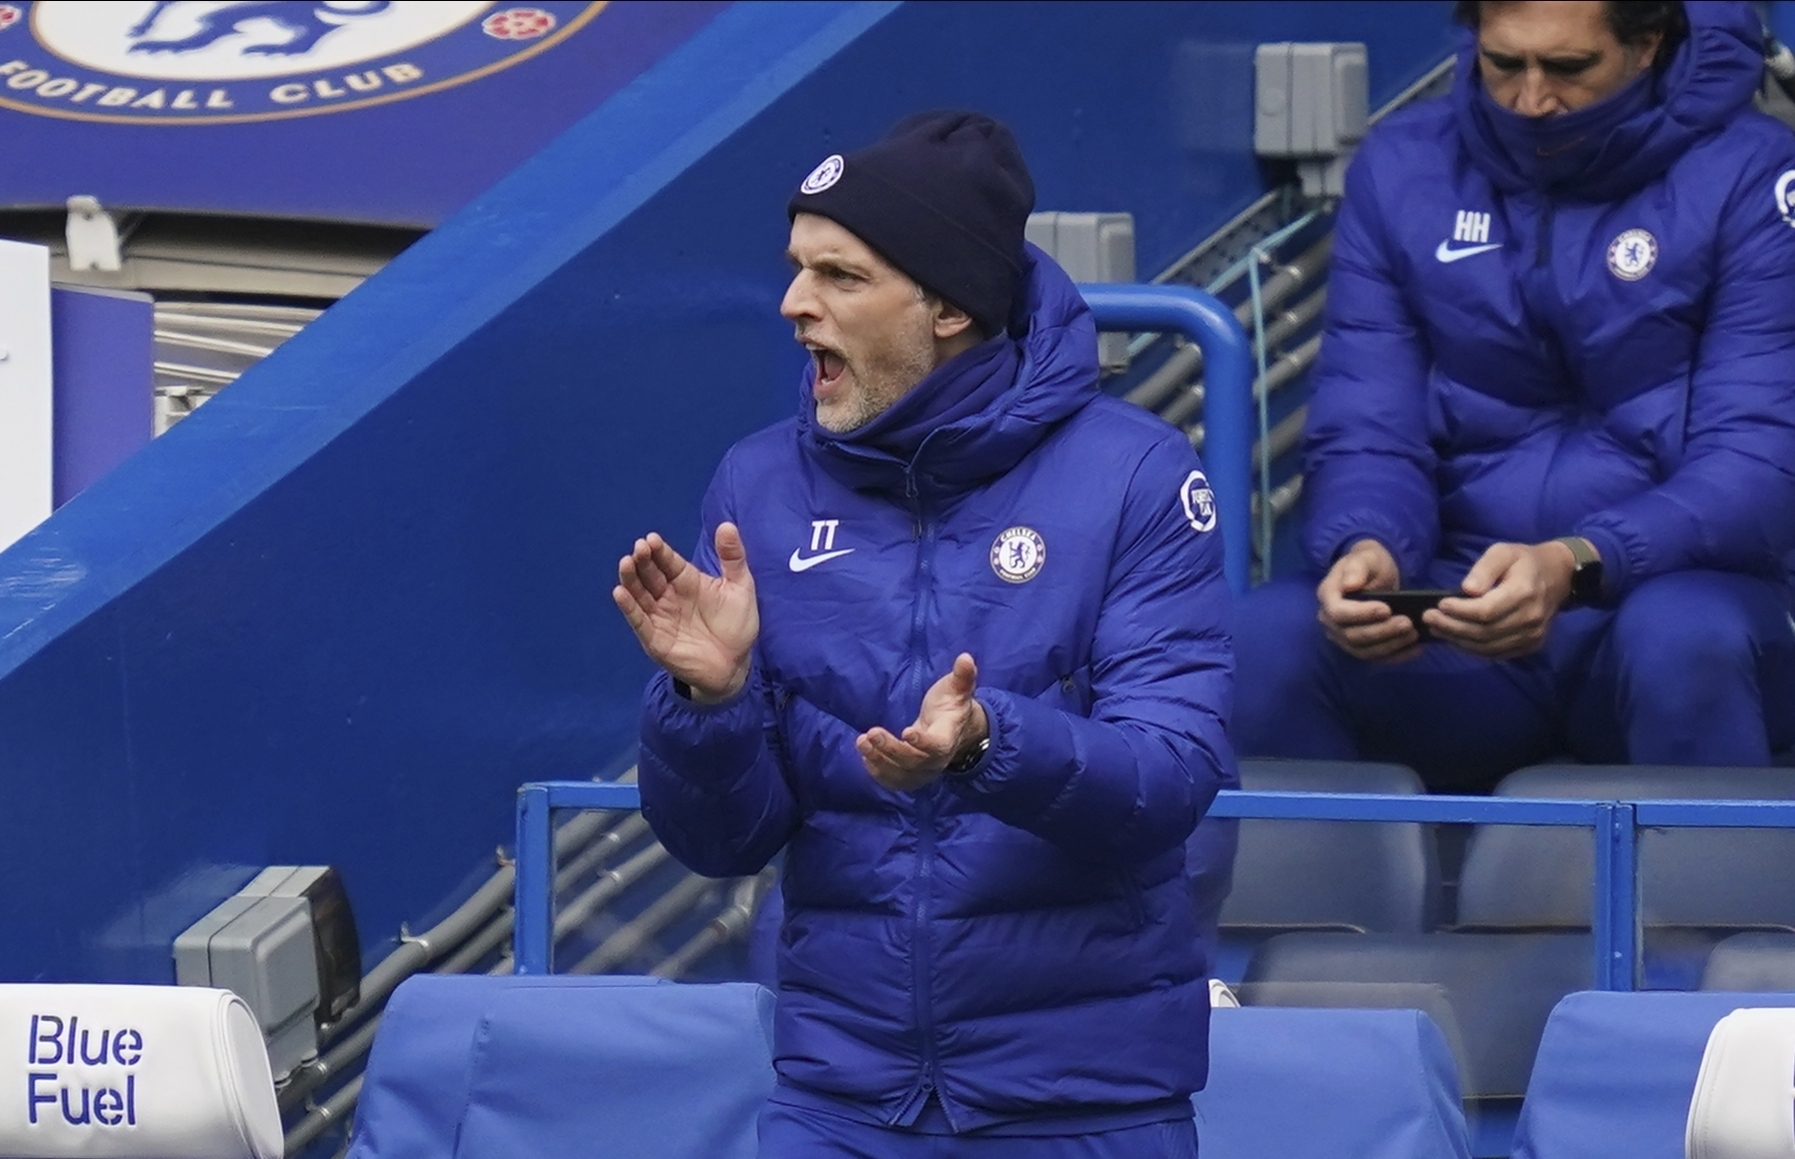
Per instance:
{"type": "Point", "coordinates": [1618, 145]}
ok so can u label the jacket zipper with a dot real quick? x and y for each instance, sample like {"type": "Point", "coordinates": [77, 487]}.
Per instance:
{"type": "Point", "coordinates": [921, 954]}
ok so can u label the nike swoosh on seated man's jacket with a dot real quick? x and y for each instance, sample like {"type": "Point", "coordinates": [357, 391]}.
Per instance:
{"type": "Point", "coordinates": [1620, 365]}
{"type": "Point", "coordinates": [1019, 942]}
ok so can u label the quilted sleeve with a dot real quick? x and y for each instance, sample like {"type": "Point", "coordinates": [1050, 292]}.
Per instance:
{"type": "Point", "coordinates": [713, 788]}
{"type": "Point", "coordinates": [1132, 779]}
{"type": "Point", "coordinates": [1368, 465]}
{"type": "Point", "coordinates": [1730, 504]}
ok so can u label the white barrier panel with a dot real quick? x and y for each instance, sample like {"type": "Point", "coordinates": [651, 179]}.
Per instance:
{"type": "Point", "coordinates": [1744, 1102]}
{"type": "Point", "coordinates": [133, 1072]}
{"type": "Point", "coordinates": [26, 476]}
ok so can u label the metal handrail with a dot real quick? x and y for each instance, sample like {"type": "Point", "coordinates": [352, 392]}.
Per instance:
{"type": "Point", "coordinates": [1616, 923]}
{"type": "Point", "coordinates": [1228, 395]}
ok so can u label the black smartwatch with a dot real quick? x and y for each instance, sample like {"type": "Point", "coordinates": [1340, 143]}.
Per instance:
{"type": "Point", "coordinates": [1586, 576]}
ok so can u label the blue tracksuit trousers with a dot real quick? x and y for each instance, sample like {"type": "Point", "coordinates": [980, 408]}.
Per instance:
{"type": "Point", "coordinates": [793, 1133]}
{"type": "Point", "coordinates": [1693, 668]}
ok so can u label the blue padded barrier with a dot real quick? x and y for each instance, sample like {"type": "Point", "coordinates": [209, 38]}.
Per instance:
{"type": "Point", "coordinates": [1616, 1071]}
{"type": "Point", "coordinates": [547, 1066]}
{"type": "Point", "coordinates": [1318, 1084]}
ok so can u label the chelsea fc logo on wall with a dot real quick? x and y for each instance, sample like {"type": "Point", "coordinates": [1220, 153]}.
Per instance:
{"type": "Point", "coordinates": [208, 62]}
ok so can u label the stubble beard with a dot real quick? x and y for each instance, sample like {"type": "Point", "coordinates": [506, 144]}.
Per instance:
{"type": "Point", "coordinates": [885, 377]}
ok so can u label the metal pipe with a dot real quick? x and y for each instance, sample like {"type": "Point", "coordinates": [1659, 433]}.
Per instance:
{"type": "Point", "coordinates": [1278, 330]}
{"type": "Point", "coordinates": [732, 923]}
{"type": "Point", "coordinates": [1291, 277]}
{"type": "Point", "coordinates": [322, 1117]}
{"type": "Point", "coordinates": [601, 849]}
{"type": "Point", "coordinates": [610, 883]}
{"type": "Point", "coordinates": [504, 922]}
{"type": "Point", "coordinates": [202, 373]}
{"type": "Point", "coordinates": [1283, 371]}
{"type": "Point", "coordinates": [328, 1065]}
{"type": "Point", "coordinates": [416, 951]}
{"type": "Point", "coordinates": [1200, 317]}
{"type": "Point", "coordinates": [1285, 435]}
{"type": "Point", "coordinates": [1182, 365]}
{"type": "Point", "coordinates": [1285, 495]}
{"type": "Point", "coordinates": [1280, 374]}
{"type": "Point", "coordinates": [629, 937]}
{"type": "Point", "coordinates": [241, 310]}
{"type": "Point", "coordinates": [216, 345]}
{"type": "Point", "coordinates": [229, 325]}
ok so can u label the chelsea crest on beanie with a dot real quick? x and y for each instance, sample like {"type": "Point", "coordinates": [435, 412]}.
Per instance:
{"type": "Point", "coordinates": [944, 197]}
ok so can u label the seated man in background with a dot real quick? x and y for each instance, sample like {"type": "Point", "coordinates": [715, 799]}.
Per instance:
{"type": "Point", "coordinates": [1558, 376]}
{"type": "Point", "coordinates": [976, 687]}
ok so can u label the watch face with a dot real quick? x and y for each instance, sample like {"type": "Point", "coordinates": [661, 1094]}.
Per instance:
{"type": "Point", "coordinates": [1586, 582]}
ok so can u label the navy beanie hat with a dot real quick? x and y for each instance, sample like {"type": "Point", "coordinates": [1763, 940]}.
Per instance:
{"type": "Point", "coordinates": [944, 197]}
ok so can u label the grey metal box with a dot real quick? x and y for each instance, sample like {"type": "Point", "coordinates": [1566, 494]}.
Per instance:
{"type": "Point", "coordinates": [1092, 247]}
{"type": "Point", "coordinates": [1310, 100]}
{"type": "Point", "coordinates": [261, 949]}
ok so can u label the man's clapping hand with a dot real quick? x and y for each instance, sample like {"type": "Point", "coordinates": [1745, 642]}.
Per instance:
{"type": "Point", "coordinates": [950, 723]}
{"type": "Point", "coordinates": [700, 628]}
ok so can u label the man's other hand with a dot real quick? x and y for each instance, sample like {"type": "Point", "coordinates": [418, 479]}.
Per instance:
{"type": "Point", "coordinates": [700, 628]}
{"type": "Point", "coordinates": [1365, 628]}
{"type": "Point", "coordinates": [1511, 595]}
{"type": "Point", "coordinates": [950, 723]}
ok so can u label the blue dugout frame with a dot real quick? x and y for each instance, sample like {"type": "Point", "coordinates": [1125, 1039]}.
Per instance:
{"type": "Point", "coordinates": [1615, 827]}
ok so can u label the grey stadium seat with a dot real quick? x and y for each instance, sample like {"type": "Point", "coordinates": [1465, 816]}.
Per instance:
{"type": "Point", "coordinates": [1332, 875]}
{"type": "Point", "coordinates": [1537, 878]}
{"type": "Point", "coordinates": [1762, 961]}
{"type": "Point", "coordinates": [1521, 876]}
{"type": "Point", "coordinates": [1501, 987]}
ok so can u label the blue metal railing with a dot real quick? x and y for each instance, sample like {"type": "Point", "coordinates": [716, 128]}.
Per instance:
{"type": "Point", "coordinates": [1228, 421]}
{"type": "Point", "coordinates": [1616, 924]}
{"type": "Point", "coordinates": [1615, 826]}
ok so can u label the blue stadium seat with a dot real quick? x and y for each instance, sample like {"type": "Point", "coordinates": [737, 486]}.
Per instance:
{"type": "Point", "coordinates": [1318, 1084]}
{"type": "Point", "coordinates": [1536, 878]}
{"type": "Point", "coordinates": [494, 1068]}
{"type": "Point", "coordinates": [1752, 961]}
{"type": "Point", "coordinates": [1379, 877]}
{"type": "Point", "coordinates": [1616, 1071]}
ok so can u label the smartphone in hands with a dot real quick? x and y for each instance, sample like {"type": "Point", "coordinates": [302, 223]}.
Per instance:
{"type": "Point", "coordinates": [1410, 602]}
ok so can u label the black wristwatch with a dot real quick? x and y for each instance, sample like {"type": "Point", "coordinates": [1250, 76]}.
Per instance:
{"type": "Point", "coordinates": [1586, 577]}
{"type": "Point", "coordinates": [968, 760]}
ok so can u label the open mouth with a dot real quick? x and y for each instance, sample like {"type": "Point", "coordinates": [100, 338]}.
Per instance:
{"type": "Point", "coordinates": [830, 366]}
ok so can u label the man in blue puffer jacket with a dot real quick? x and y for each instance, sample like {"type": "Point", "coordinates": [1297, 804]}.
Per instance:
{"type": "Point", "coordinates": [1558, 373]}
{"type": "Point", "coordinates": [976, 687]}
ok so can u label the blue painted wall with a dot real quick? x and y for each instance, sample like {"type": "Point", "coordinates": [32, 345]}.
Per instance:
{"type": "Point", "coordinates": [340, 613]}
